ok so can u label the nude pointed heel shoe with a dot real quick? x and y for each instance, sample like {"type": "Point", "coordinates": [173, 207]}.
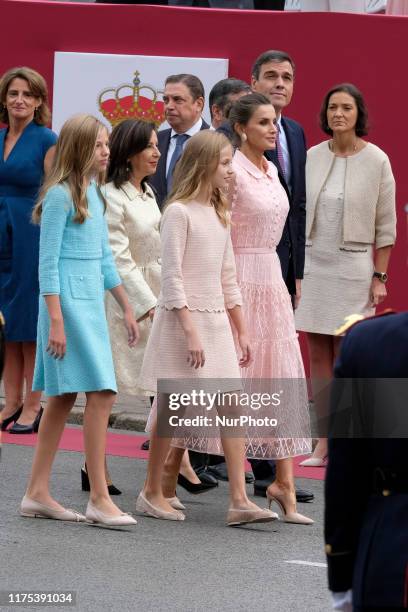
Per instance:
{"type": "Point", "coordinates": [289, 517]}
{"type": "Point", "coordinates": [314, 462]}
{"type": "Point", "coordinates": [93, 515]}
{"type": "Point", "coordinates": [175, 503]}
{"type": "Point", "coordinates": [33, 509]}
{"type": "Point", "coordinates": [237, 516]}
{"type": "Point", "coordinates": [145, 507]}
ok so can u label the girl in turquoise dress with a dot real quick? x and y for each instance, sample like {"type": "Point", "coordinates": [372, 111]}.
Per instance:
{"type": "Point", "coordinates": [73, 349]}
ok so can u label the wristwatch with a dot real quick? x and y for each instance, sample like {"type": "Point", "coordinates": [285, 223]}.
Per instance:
{"type": "Point", "coordinates": [382, 276]}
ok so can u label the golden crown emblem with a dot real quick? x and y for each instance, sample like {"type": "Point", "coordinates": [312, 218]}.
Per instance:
{"type": "Point", "coordinates": [133, 105]}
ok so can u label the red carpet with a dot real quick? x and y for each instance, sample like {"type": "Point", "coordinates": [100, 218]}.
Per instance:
{"type": "Point", "coordinates": [128, 445]}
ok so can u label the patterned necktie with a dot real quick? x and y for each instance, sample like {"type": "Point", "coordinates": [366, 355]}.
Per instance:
{"type": "Point", "coordinates": [180, 140]}
{"type": "Point", "coordinates": [279, 153]}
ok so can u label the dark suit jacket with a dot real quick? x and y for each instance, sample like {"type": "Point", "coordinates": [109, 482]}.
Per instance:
{"type": "Point", "coordinates": [158, 180]}
{"type": "Point", "coordinates": [293, 258]}
{"type": "Point", "coordinates": [366, 514]}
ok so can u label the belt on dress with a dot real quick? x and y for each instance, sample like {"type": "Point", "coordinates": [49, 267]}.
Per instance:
{"type": "Point", "coordinates": [257, 250]}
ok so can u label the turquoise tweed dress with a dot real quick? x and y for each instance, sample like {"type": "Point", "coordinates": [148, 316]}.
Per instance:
{"type": "Point", "coordinates": [76, 263]}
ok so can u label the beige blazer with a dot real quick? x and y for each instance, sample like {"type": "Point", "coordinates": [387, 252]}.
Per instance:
{"type": "Point", "coordinates": [133, 222]}
{"type": "Point", "coordinates": [369, 194]}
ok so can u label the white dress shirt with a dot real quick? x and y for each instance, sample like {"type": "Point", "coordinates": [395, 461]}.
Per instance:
{"type": "Point", "coordinates": [193, 130]}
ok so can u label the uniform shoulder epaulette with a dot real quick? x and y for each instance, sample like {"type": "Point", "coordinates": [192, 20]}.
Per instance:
{"type": "Point", "coordinates": [351, 320]}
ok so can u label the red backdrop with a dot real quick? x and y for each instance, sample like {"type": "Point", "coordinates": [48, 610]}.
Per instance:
{"type": "Point", "coordinates": [328, 48]}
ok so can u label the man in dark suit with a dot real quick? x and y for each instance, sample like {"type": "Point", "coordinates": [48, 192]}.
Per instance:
{"type": "Point", "coordinates": [273, 75]}
{"type": "Point", "coordinates": [366, 514]}
{"type": "Point", "coordinates": [183, 104]}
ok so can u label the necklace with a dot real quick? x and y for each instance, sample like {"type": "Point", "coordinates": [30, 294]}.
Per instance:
{"type": "Point", "coordinates": [331, 147]}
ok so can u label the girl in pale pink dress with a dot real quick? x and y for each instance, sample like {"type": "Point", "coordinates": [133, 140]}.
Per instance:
{"type": "Point", "coordinates": [191, 338]}
{"type": "Point", "coordinates": [259, 210]}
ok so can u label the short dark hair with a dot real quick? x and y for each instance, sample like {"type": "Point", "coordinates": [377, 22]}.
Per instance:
{"type": "Point", "coordinates": [221, 91]}
{"type": "Point", "coordinates": [128, 138]}
{"type": "Point", "coordinates": [243, 109]}
{"type": "Point", "coordinates": [362, 126]}
{"type": "Point", "coordinates": [273, 55]}
{"type": "Point", "coordinates": [193, 83]}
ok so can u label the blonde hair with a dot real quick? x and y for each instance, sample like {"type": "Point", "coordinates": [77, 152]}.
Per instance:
{"type": "Point", "coordinates": [73, 162]}
{"type": "Point", "coordinates": [37, 86]}
{"type": "Point", "coordinates": [195, 169]}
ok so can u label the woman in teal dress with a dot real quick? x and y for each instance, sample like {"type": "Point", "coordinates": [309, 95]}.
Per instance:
{"type": "Point", "coordinates": [73, 348]}
{"type": "Point", "coordinates": [27, 147]}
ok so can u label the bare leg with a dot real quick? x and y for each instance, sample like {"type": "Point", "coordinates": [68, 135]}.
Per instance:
{"type": "Point", "coordinates": [285, 482]}
{"type": "Point", "coordinates": [321, 353]}
{"type": "Point", "coordinates": [186, 469]}
{"type": "Point", "coordinates": [96, 416]}
{"type": "Point", "coordinates": [13, 378]}
{"type": "Point", "coordinates": [51, 428]}
{"type": "Point", "coordinates": [173, 465]}
{"type": "Point", "coordinates": [234, 451]}
{"type": "Point", "coordinates": [32, 398]}
{"type": "Point", "coordinates": [158, 452]}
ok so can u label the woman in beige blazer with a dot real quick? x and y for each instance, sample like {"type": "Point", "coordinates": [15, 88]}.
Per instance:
{"type": "Point", "coordinates": [133, 221]}
{"type": "Point", "coordinates": [350, 231]}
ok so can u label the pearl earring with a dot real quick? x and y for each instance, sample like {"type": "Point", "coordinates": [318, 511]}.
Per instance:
{"type": "Point", "coordinates": [244, 137]}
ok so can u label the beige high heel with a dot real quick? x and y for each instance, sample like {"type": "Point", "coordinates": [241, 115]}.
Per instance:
{"type": "Point", "coordinates": [289, 517]}
{"type": "Point", "coordinates": [314, 462]}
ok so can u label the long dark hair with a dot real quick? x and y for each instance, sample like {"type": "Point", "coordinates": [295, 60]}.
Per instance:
{"type": "Point", "coordinates": [130, 137]}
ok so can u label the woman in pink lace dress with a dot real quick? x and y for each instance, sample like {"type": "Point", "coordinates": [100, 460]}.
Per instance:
{"type": "Point", "coordinates": [191, 341]}
{"type": "Point", "coordinates": [259, 210]}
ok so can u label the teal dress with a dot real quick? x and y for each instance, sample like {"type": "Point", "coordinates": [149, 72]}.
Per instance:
{"type": "Point", "coordinates": [76, 263]}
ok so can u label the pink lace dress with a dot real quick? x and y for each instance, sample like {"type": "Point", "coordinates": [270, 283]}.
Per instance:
{"type": "Point", "coordinates": [259, 210]}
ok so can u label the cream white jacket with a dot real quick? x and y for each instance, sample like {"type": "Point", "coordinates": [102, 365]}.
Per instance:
{"type": "Point", "coordinates": [369, 194]}
{"type": "Point", "coordinates": [133, 222]}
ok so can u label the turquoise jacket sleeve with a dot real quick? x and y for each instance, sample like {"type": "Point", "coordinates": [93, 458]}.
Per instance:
{"type": "Point", "coordinates": [56, 208]}
{"type": "Point", "coordinates": [109, 271]}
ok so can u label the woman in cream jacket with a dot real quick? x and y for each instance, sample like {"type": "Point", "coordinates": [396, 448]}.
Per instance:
{"type": "Point", "coordinates": [133, 220]}
{"type": "Point", "coordinates": [350, 231]}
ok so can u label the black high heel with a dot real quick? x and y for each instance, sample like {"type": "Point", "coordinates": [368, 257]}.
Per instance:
{"type": "Point", "coordinates": [27, 429]}
{"type": "Point", "coordinates": [11, 419]}
{"type": "Point", "coordinates": [87, 487]}
{"type": "Point", "coordinates": [195, 488]}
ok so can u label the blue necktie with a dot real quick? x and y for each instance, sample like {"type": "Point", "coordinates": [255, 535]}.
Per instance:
{"type": "Point", "coordinates": [180, 140]}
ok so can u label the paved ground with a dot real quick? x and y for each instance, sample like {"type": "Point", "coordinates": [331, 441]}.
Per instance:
{"type": "Point", "coordinates": [199, 565]}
